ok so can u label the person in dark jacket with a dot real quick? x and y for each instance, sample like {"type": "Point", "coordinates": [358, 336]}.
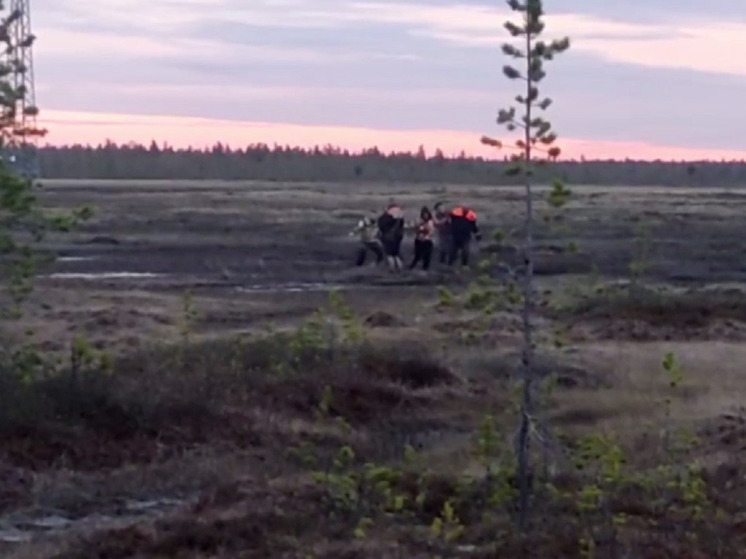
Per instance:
{"type": "Point", "coordinates": [463, 225]}
{"type": "Point", "coordinates": [391, 230]}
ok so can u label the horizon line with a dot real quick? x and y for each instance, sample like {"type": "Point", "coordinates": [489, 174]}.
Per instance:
{"type": "Point", "coordinates": [66, 127]}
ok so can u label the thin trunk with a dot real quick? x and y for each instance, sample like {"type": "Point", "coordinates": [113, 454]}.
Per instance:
{"type": "Point", "coordinates": [527, 357]}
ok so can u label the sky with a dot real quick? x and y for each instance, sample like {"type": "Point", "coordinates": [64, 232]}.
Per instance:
{"type": "Point", "coordinates": [665, 79]}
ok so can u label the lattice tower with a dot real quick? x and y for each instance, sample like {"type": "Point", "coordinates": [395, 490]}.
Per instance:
{"type": "Point", "coordinates": [21, 117]}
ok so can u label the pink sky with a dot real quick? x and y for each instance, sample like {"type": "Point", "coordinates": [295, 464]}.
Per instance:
{"type": "Point", "coordinates": [68, 127]}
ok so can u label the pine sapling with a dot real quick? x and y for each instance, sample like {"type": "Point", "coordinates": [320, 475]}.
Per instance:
{"type": "Point", "coordinates": [537, 138]}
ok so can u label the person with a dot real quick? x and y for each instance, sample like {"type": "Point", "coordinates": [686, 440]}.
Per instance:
{"type": "Point", "coordinates": [443, 232]}
{"type": "Point", "coordinates": [463, 224]}
{"type": "Point", "coordinates": [423, 241]}
{"type": "Point", "coordinates": [367, 228]}
{"type": "Point", "coordinates": [391, 231]}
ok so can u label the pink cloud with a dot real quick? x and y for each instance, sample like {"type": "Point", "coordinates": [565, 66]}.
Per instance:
{"type": "Point", "coordinates": [68, 127]}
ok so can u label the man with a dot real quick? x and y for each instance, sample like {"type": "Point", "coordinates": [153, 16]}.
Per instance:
{"type": "Point", "coordinates": [463, 224]}
{"type": "Point", "coordinates": [391, 229]}
{"type": "Point", "coordinates": [442, 232]}
{"type": "Point", "coordinates": [367, 228]}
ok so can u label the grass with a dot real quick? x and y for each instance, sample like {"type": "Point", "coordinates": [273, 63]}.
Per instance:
{"type": "Point", "coordinates": [230, 418]}
{"type": "Point", "coordinates": [235, 421]}
{"type": "Point", "coordinates": [205, 392]}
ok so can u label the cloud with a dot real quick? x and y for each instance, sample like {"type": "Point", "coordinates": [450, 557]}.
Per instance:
{"type": "Point", "coordinates": [61, 43]}
{"type": "Point", "coordinates": [72, 44]}
{"type": "Point", "coordinates": [407, 96]}
{"type": "Point", "coordinates": [714, 48]}
{"type": "Point", "coordinates": [393, 64]}
{"type": "Point", "coordinates": [653, 11]}
{"type": "Point", "coordinates": [592, 99]}
{"type": "Point", "coordinates": [166, 27]}
{"type": "Point", "coordinates": [706, 47]}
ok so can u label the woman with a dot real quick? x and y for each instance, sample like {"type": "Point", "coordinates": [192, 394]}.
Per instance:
{"type": "Point", "coordinates": [423, 242]}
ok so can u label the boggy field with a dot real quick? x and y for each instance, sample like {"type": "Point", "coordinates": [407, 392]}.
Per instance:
{"type": "Point", "coordinates": [238, 422]}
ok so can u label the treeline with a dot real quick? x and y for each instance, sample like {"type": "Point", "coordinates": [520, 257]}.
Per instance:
{"type": "Point", "coordinates": [283, 163]}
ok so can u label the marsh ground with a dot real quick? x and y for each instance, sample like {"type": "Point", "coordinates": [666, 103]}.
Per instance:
{"type": "Point", "coordinates": [261, 256]}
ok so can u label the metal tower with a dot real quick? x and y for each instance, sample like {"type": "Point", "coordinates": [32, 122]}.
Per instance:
{"type": "Point", "coordinates": [19, 145]}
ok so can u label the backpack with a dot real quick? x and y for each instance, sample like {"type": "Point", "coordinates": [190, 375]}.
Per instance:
{"type": "Point", "coordinates": [385, 222]}
{"type": "Point", "coordinates": [389, 226]}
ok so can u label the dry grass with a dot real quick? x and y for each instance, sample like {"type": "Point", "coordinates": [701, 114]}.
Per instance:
{"type": "Point", "coordinates": [713, 383]}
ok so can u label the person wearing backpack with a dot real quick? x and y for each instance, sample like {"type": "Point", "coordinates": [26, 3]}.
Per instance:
{"type": "Point", "coordinates": [391, 231]}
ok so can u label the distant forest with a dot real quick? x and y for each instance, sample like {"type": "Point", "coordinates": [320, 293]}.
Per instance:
{"type": "Point", "coordinates": [328, 163]}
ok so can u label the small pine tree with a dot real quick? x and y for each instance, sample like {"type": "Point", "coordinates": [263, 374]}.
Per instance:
{"type": "Point", "coordinates": [22, 223]}
{"type": "Point", "coordinates": [537, 138]}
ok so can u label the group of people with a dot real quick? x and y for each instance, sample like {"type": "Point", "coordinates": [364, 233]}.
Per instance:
{"type": "Point", "coordinates": [449, 231]}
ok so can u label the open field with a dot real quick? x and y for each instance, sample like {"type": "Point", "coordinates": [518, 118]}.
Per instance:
{"type": "Point", "coordinates": [189, 449]}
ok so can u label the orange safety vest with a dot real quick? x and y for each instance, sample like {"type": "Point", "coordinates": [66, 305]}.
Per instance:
{"type": "Point", "coordinates": [461, 212]}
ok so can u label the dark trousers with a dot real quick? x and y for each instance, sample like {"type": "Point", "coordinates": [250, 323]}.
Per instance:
{"type": "Point", "coordinates": [392, 247]}
{"type": "Point", "coordinates": [362, 252]}
{"type": "Point", "coordinates": [443, 255]}
{"type": "Point", "coordinates": [461, 246]}
{"type": "Point", "coordinates": [444, 250]}
{"type": "Point", "coordinates": [423, 250]}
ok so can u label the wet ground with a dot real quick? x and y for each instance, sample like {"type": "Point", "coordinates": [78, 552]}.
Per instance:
{"type": "Point", "coordinates": [284, 235]}
{"type": "Point", "coordinates": [273, 251]}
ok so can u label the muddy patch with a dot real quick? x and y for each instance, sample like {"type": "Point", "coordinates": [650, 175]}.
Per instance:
{"type": "Point", "coordinates": [383, 319]}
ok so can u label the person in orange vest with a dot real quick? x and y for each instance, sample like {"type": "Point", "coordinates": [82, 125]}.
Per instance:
{"type": "Point", "coordinates": [463, 225]}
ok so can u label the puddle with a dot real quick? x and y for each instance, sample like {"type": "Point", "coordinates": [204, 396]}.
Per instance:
{"type": "Point", "coordinates": [50, 523]}
{"type": "Point", "coordinates": [13, 535]}
{"type": "Point", "coordinates": [104, 275]}
{"type": "Point", "coordinates": [140, 506]}
{"type": "Point", "coordinates": [74, 258]}
{"type": "Point", "coordinates": [290, 287]}
{"type": "Point", "coordinates": [27, 530]}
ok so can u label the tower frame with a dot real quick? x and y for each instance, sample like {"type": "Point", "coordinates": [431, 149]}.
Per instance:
{"type": "Point", "coordinates": [20, 120]}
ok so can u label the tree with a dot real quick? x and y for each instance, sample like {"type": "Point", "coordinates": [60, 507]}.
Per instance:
{"type": "Point", "coordinates": [22, 223]}
{"type": "Point", "coordinates": [284, 163]}
{"type": "Point", "coordinates": [537, 137]}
